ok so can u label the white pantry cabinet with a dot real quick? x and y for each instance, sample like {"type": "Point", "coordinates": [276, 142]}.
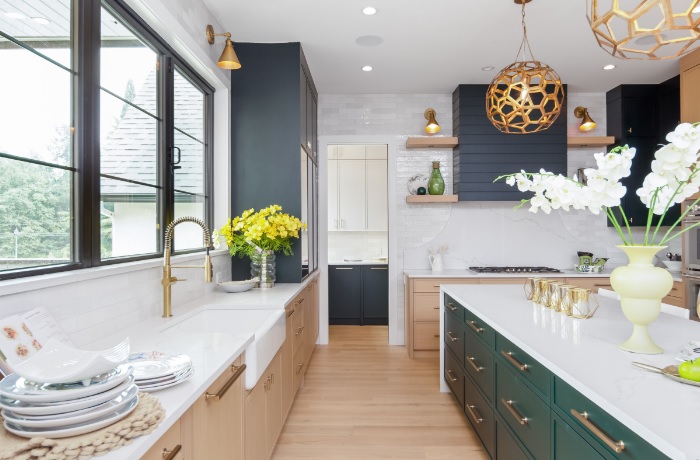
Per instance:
{"type": "Point", "coordinates": [357, 188]}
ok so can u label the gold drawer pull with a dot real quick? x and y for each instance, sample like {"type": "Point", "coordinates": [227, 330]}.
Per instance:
{"type": "Point", "coordinates": [472, 361]}
{"type": "Point", "coordinates": [300, 301]}
{"type": "Point", "coordinates": [343, 268]}
{"type": "Point", "coordinates": [300, 330]}
{"type": "Point", "coordinates": [475, 415]}
{"type": "Point", "coordinates": [378, 268]}
{"type": "Point", "coordinates": [290, 313]}
{"type": "Point", "coordinates": [436, 285]}
{"type": "Point", "coordinates": [509, 356]}
{"type": "Point", "coordinates": [170, 454]}
{"type": "Point", "coordinates": [451, 375]}
{"type": "Point", "coordinates": [476, 328]}
{"type": "Point", "coordinates": [583, 418]}
{"type": "Point", "coordinates": [451, 307]}
{"type": "Point", "coordinates": [436, 335]}
{"type": "Point", "coordinates": [299, 367]}
{"type": "Point", "coordinates": [237, 371]}
{"type": "Point", "coordinates": [436, 308]}
{"type": "Point", "coordinates": [509, 405]}
{"type": "Point", "coordinates": [451, 337]}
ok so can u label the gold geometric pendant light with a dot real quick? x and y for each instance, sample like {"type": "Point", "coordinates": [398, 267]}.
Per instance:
{"type": "Point", "coordinates": [648, 29]}
{"type": "Point", "coordinates": [526, 96]}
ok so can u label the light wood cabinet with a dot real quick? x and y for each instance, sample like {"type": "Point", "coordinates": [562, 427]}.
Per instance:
{"type": "Point", "coordinates": [690, 87]}
{"type": "Point", "coordinates": [311, 318]}
{"type": "Point", "coordinates": [263, 417]}
{"type": "Point", "coordinates": [168, 444]}
{"type": "Point", "coordinates": [590, 283]}
{"type": "Point", "coordinates": [215, 421]}
{"type": "Point", "coordinates": [677, 295]}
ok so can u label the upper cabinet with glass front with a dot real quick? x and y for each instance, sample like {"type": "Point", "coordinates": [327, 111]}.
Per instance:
{"type": "Point", "coordinates": [357, 188]}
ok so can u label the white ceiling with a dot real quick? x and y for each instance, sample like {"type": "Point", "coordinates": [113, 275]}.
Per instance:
{"type": "Point", "coordinates": [432, 46]}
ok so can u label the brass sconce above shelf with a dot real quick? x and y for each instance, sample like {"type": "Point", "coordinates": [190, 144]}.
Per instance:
{"type": "Point", "coordinates": [228, 59]}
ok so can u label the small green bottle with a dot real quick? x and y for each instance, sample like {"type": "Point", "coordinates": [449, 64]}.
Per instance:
{"type": "Point", "coordinates": [436, 184]}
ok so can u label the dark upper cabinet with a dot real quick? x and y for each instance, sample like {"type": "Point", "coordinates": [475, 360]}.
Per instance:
{"type": "Point", "coordinates": [375, 294]}
{"type": "Point", "coordinates": [268, 126]}
{"type": "Point", "coordinates": [485, 153]}
{"type": "Point", "coordinates": [640, 116]}
{"type": "Point", "coordinates": [345, 294]}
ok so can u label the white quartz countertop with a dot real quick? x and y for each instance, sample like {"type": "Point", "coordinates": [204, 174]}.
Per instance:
{"type": "Point", "coordinates": [465, 273]}
{"type": "Point", "coordinates": [358, 262]}
{"type": "Point", "coordinates": [584, 353]}
{"type": "Point", "coordinates": [211, 353]}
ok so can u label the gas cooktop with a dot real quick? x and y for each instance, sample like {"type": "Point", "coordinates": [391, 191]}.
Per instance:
{"type": "Point", "coordinates": [513, 270]}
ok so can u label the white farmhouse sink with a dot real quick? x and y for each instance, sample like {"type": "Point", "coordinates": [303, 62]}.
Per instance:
{"type": "Point", "coordinates": [268, 326]}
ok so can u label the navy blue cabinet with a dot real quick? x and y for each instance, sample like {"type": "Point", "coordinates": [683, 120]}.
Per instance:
{"type": "Point", "coordinates": [358, 294]}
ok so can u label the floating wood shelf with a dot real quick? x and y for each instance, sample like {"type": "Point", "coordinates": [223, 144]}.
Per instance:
{"type": "Point", "coordinates": [431, 198]}
{"type": "Point", "coordinates": [589, 141]}
{"type": "Point", "coordinates": [431, 142]}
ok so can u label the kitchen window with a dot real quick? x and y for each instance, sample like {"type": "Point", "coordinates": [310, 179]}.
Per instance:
{"type": "Point", "coordinates": [105, 138]}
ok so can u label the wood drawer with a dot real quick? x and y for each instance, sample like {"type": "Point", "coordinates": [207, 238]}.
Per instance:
{"type": "Point", "coordinates": [426, 335]}
{"type": "Point", "coordinates": [170, 440]}
{"type": "Point", "coordinates": [677, 295]}
{"type": "Point", "coordinates": [454, 376]}
{"type": "Point", "coordinates": [590, 283]}
{"type": "Point", "coordinates": [480, 415]}
{"type": "Point", "coordinates": [297, 319]}
{"type": "Point", "coordinates": [477, 326]}
{"type": "Point", "coordinates": [478, 361]}
{"type": "Point", "coordinates": [454, 308]}
{"type": "Point", "coordinates": [433, 284]}
{"type": "Point", "coordinates": [569, 401]}
{"type": "Point", "coordinates": [527, 415]}
{"type": "Point", "coordinates": [524, 365]}
{"type": "Point", "coordinates": [299, 368]}
{"type": "Point", "coordinates": [454, 336]}
{"type": "Point", "coordinates": [426, 307]}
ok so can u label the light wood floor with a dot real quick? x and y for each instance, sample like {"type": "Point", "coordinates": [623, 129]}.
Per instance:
{"type": "Point", "coordinates": [363, 399]}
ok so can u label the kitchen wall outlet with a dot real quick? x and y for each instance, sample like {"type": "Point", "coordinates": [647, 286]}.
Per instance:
{"type": "Point", "coordinates": [217, 277]}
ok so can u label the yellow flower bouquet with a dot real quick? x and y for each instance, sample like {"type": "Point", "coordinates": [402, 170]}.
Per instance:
{"type": "Point", "coordinates": [268, 229]}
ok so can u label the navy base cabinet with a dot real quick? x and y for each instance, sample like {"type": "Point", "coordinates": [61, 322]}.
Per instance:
{"type": "Point", "coordinates": [358, 295]}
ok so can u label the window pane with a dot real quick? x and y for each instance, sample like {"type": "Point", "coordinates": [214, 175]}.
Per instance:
{"type": "Point", "coordinates": [43, 25]}
{"type": "Point", "coordinates": [35, 215]}
{"type": "Point", "coordinates": [190, 177]}
{"type": "Point", "coordinates": [36, 117]}
{"type": "Point", "coordinates": [189, 108]}
{"type": "Point", "coordinates": [128, 218]}
{"type": "Point", "coordinates": [128, 67]}
{"type": "Point", "coordinates": [188, 235]}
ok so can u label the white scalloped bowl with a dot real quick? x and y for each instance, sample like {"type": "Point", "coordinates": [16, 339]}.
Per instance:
{"type": "Point", "coordinates": [237, 286]}
{"type": "Point", "coordinates": [60, 363]}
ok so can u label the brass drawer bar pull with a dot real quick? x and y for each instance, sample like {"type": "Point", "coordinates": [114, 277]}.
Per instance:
{"type": "Point", "coordinates": [436, 308]}
{"type": "Point", "coordinates": [509, 356]}
{"type": "Point", "coordinates": [476, 328]}
{"type": "Point", "coordinates": [300, 301]}
{"type": "Point", "coordinates": [618, 446]}
{"type": "Point", "coordinates": [299, 367]}
{"type": "Point", "coordinates": [472, 361]}
{"type": "Point", "coordinates": [290, 313]}
{"type": "Point", "coordinates": [509, 405]}
{"type": "Point", "coordinates": [299, 330]}
{"type": "Point", "coordinates": [343, 268]}
{"type": "Point", "coordinates": [451, 337]}
{"type": "Point", "coordinates": [475, 415]}
{"type": "Point", "coordinates": [237, 371]}
{"type": "Point", "coordinates": [436, 285]}
{"type": "Point", "coordinates": [170, 454]}
{"type": "Point", "coordinates": [452, 375]}
{"type": "Point", "coordinates": [451, 307]}
{"type": "Point", "coordinates": [436, 335]}
{"type": "Point", "coordinates": [378, 268]}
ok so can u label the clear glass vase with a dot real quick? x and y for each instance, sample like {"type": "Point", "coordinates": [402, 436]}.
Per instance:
{"type": "Point", "coordinates": [262, 266]}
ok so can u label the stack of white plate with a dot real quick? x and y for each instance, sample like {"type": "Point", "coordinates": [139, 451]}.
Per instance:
{"type": "Point", "coordinates": [156, 370]}
{"type": "Point", "coordinates": [62, 391]}
{"type": "Point", "coordinates": [59, 410]}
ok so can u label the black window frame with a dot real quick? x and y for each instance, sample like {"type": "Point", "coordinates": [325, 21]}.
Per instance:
{"type": "Point", "coordinates": [85, 228]}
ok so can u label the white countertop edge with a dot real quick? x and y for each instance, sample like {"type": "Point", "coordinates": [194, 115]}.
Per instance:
{"type": "Point", "coordinates": [650, 436]}
{"type": "Point", "coordinates": [31, 283]}
{"type": "Point", "coordinates": [359, 262]}
{"type": "Point", "coordinates": [464, 273]}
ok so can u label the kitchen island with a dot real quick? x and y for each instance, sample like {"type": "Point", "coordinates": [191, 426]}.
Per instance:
{"type": "Point", "coordinates": [525, 359]}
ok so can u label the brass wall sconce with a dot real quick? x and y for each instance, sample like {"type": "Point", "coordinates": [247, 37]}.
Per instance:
{"type": "Point", "coordinates": [228, 59]}
{"type": "Point", "coordinates": [587, 122]}
{"type": "Point", "coordinates": [432, 127]}
{"type": "Point", "coordinates": [652, 29]}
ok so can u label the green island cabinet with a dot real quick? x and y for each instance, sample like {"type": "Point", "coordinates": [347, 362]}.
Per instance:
{"type": "Point", "coordinates": [519, 408]}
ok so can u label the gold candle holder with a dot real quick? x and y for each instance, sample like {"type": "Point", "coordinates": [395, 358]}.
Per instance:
{"type": "Point", "coordinates": [532, 288]}
{"type": "Point", "coordinates": [564, 298]}
{"type": "Point", "coordinates": [581, 303]}
{"type": "Point", "coordinates": [543, 291]}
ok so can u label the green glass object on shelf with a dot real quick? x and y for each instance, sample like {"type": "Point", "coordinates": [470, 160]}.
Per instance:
{"type": "Point", "coordinates": [436, 184]}
{"type": "Point", "coordinates": [421, 191]}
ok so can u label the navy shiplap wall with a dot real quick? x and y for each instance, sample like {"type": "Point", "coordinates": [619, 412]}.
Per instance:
{"type": "Point", "coordinates": [485, 153]}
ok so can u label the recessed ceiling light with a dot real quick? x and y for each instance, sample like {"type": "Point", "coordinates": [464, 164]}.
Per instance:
{"type": "Point", "coordinates": [609, 67]}
{"type": "Point", "coordinates": [369, 11]}
{"type": "Point", "coordinates": [15, 15]}
{"type": "Point", "coordinates": [488, 67]}
{"type": "Point", "coordinates": [367, 68]}
{"type": "Point", "coordinates": [43, 21]}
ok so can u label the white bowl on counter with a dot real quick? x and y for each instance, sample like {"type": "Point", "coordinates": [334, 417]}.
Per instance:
{"type": "Point", "coordinates": [673, 265]}
{"type": "Point", "coordinates": [237, 286]}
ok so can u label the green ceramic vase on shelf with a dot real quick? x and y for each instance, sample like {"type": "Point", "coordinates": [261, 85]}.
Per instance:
{"type": "Point", "coordinates": [436, 184]}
